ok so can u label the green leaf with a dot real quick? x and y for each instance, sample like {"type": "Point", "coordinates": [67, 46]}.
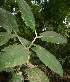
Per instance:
{"type": "Point", "coordinates": [53, 37]}
{"type": "Point", "coordinates": [48, 59]}
{"type": "Point", "coordinates": [7, 20]}
{"type": "Point", "coordinates": [24, 41]}
{"type": "Point", "coordinates": [9, 1]}
{"type": "Point", "coordinates": [8, 70]}
{"type": "Point", "coordinates": [16, 78]}
{"type": "Point", "coordinates": [36, 75]}
{"type": "Point", "coordinates": [4, 37]}
{"type": "Point", "coordinates": [26, 14]}
{"type": "Point", "coordinates": [12, 56]}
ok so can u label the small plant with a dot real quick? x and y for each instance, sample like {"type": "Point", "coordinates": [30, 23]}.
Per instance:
{"type": "Point", "coordinates": [15, 56]}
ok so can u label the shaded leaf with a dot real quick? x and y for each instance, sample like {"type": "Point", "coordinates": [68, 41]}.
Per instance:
{"type": "Point", "coordinates": [4, 37]}
{"type": "Point", "coordinates": [16, 78]}
{"type": "Point", "coordinates": [36, 75]}
{"type": "Point", "coordinates": [26, 14]}
{"type": "Point", "coordinates": [53, 37]}
{"type": "Point", "coordinates": [24, 41]}
{"type": "Point", "coordinates": [9, 1]}
{"type": "Point", "coordinates": [12, 56]}
{"type": "Point", "coordinates": [48, 59]}
{"type": "Point", "coordinates": [7, 20]}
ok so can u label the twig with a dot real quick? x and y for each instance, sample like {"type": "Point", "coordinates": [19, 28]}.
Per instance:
{"type": "Point", "coordinates": [20, 40]}
{"type": "Point", "coordinates": [32, 43]}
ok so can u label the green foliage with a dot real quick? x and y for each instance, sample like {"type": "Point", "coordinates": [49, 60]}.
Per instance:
{"type": "Point", "coordinates": [48, 59]}
{"type": "Point", "coordinates": [9, 1]}
{"type": "Point", "coordinates": [12, 56]}
{"type": "Point", "coordinates": [36, 75]}
{"type": "Point", "coordinates": [26, 14]}
{"type": "Point", "coordinates": [19, 53]}
{"type": "Point", "coordinates": [4, 37]}
{"type": "Point", "coordinates": [53, 37]}
{"type": "Point", "coordinates": [24, 41]}
{"type": "Point", "coordinates": [7, 20]}
{"type": "Point", "coordinates": [16, 78]}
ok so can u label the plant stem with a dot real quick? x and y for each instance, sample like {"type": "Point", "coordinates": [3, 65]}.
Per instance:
{"type": "Point", "coordinates": [20, 40]}
{"type": "Point", "coordinates": [32, 43]}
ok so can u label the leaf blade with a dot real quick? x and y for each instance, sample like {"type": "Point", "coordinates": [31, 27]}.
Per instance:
{"type": "Point", "coordinates": [7, 20]}
{"type": "Point", "coordinates": [12, 56]}
{"type": "Point", "coordinates": [48, 59]}
{"type": "Point", "coordinates": [24, 41]}
{"type": "Point", "coordinates": [53, 37]}
{"type": "Point", "coordinates": [4, 37]}
{"type": "Point", "coordinates": [26, 14]}
{"type": "Point", "coordinates": [36, 75]}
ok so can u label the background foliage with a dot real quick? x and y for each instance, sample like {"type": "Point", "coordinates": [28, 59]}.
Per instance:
{"type": "Point", "coordinates": [52, 15]}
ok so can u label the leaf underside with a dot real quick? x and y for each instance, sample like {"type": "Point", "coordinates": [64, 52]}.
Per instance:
{"type": "Point", "coordinates": [36, 75]}
{"type": "Point", "coordinates": [48, 59]}
{"type": "Point", "coordinates": [26, 13]}
{"type": "Point", "coordinates": [7, 20]}
{"type": "Point", "coordinates": [12, 56]}
{"type": "Point", "coordinates": [53, 37]}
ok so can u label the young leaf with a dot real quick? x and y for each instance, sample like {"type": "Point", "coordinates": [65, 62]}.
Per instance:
{"type": "Point", "coordinates": [7, 20]}
{"type": "Point", "coordinates": [26, 14]}
{"type": "Point", "coordinates": [16, 78]}
{"type": "Point", "coordinates": [4, 37]}
{"type": "Point", "coordinates": [12, 56]}
{"type": "Point", "coordinates": [48, 59]}
{"type": "Point", "coordinates": [36, 75]}
{"type": "Point", "coordinates": [53, 37]}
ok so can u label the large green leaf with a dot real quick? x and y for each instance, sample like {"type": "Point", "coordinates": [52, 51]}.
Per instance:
{"type": "Point", "coordinates": [7, 20]}
{"type": "Point", "coordinates": [4, 37]}
{"type": "Point", "coordinates": [36, 75]}
{"type": "Point", "coordinates": [16, 78]}
{"type": "Point", "coordinates": [26, 14]}
{"type": "Point", "coordinates": [48, 59]}
{"type": "Point", "coordinates": [53, 37]}
{"type": "Point", "coordinates": [12, 56]}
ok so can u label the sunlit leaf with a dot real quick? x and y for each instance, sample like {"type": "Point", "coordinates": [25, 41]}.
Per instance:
{"type": "Point", "coordinates": [36, 75]}
{"type": "Point", "coordinates": [7, 20]}
{"type": "Point", "coordinates": [16, 78]}
{"type": "Point", "coordinates": [53, 37]}
{"type": "Point", "coordinates": [48, 59]}
{"type": "Point", "coordinates": [26, 14]}
{"type": "Point", "coordinates": [12, 56]}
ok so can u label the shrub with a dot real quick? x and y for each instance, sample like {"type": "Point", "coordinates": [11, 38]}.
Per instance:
{"type": "Point", "coordinates": [19, 53]}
